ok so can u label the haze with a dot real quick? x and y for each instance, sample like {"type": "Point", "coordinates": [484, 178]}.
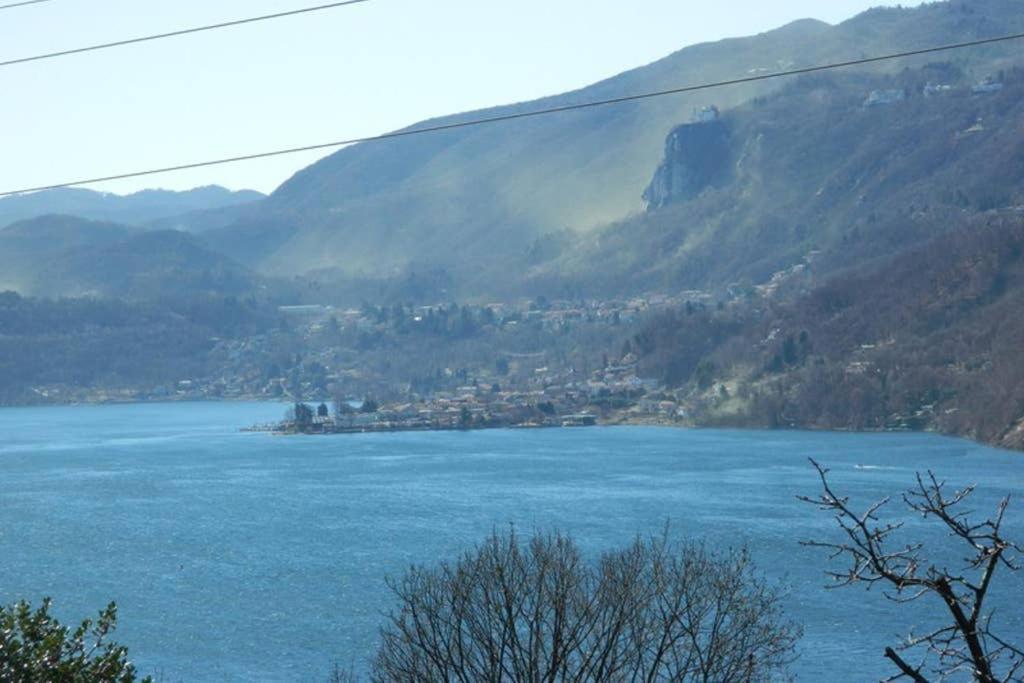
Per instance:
{"type": "Point", "coordinates": [340, 73]}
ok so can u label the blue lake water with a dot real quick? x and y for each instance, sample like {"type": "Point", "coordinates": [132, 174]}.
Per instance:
{"type": "Point", "coordinates": [250, 557]}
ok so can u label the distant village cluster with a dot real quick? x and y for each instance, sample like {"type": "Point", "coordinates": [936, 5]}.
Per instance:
{"type": "Point", "coordinates": [525, 363]}
{"type": "Point", "coordinates": [551, 399]}
{"type": "Point", "coordinates": [878, 98]}
{"type": "Point", "coordinates": [510, 390]}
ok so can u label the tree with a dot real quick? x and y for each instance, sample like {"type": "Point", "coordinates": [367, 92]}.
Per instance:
{"type": "Point", "coordinates": [35, 647]}
{"type": "Point", "coordinates": [303, 415]}
{"type": "Point", "coordinates": [465, 418]}
{"type": "Point", "coordinates": [705, 373]}
{"type": "Point", "coordinates": [537, 611]}
{"type": "Point", "coordinates": [966, 644]}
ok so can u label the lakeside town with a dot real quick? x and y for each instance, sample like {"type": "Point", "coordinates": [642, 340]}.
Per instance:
{"type": "Point", "coordinates": [531, 362]}
{"type": "Point", "coordinates": [485, 387]}
{"type": "Point", "coordinates": [486, 371]}
{"type": "Point", "coordinates": [612, 395]}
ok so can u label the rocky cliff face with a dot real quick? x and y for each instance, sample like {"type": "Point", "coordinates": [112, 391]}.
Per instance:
{"type": "Point", "coordinates": [697, 156]}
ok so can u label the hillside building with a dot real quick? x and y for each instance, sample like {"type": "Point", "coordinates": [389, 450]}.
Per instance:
{"type": "Point", "coordinates": [707, 114]}
{"type": "Point", "coordinates": [989, 85]}
{"type": "Point", "coordinates": [878, 98]}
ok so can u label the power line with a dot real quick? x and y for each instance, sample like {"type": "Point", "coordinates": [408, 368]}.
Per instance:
{"type": "Point", "coordinates": [22, 4]}
{"type": "Point", "coordinates": [173, 34]}
{"type": "Point", "coordinates": [524, 115]}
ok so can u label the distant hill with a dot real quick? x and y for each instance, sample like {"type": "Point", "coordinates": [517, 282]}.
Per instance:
{"type": "Point", "coordinates": [136, 209]}
{"type": "Point", "coordinates": [473, 201]}
{"type": "Point", "coordinates": [60, 256]}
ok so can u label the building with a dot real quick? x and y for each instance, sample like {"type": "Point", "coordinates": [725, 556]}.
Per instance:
{"type": "Point", "coordinates": [707, 114]}
{"type": "Point", "coordinates": [878, 98]}
{"type": "Point", "coordinates": [989, 85]}
{"type": "Point", "coordinates": [933, 89]}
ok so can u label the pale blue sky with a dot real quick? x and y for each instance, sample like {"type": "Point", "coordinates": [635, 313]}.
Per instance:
{"type": "Point", "coordinates": [337, 74]}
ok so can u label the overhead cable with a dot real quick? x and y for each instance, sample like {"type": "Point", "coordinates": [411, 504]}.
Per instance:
{"type": "Point", "coordinates": [22, 4]}
{"type": "Point", "coordinates": [423, 130]}
{"type": "Point", "coordinates": [174, 34]}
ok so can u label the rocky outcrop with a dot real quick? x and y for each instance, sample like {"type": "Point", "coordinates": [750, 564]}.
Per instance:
{"type": "Point", "coordinates": [697, 156]}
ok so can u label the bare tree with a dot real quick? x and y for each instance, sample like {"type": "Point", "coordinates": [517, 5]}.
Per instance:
{"type": "Point", "coordinates": [536, 611]}
{"type": "Point", "coordinates": [967, 643]}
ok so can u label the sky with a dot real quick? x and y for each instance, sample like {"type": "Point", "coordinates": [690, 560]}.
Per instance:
{"type": "Point", "coordinates": [341, 73]}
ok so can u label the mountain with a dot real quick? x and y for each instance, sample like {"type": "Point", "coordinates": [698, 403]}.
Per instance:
{"type": "Point", "coordinates": [810, 176]}
{"type": "Point", "coordinates": [171, 209]}
{"type": "Point", "coordinates": [61, 256]}
{"type": "Point", "coordinates": [474, 200]}
{"type": "Point", "coordinates": [29, 247]}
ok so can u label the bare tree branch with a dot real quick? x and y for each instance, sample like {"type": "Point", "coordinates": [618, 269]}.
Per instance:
{"type": "Point", "coordinates": [967, 643]}
{"type": "Point", "coordinates": [653, 611]}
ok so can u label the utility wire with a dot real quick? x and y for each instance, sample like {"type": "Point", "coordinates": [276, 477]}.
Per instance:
{"type": "Point", "coordinates": [524, 115]}
{"type": "Point", "coordinates": [173, 34]}
{"type": "Point", "coordinates": [22, 4]}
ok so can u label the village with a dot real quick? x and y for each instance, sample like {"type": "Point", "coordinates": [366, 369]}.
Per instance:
{"type": "Point", "coordinates": [497, 384]}
{"type": "Point", "coordinates": [611, 395]}
{"type": "Point", "coordinates": [527, 363]}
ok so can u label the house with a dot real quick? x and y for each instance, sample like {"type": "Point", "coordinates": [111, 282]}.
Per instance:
{"type": "Point", "coordinates": [581, 420]}
{"type": "Point", "coordinates": [877, 98]}
{"type": "Point", "coordinates": [305, 311]}
{"type": "Point", "coordinates": [932, 89]}
{"type": "Point", "coordinates": [989, 85]}
{"type": "Point", "coordinates": [707, 114]}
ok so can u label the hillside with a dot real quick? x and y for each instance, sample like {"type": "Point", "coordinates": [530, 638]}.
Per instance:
{"type": "Point", "coordinates": [138, 209]}
{"type": "Point", "coordinates": [849, 243]}
{"type": "Point", "coordinates": [472, 201]}
{"type": "Point", "coordinates": [60, 256]}
{"type": "Point", "coordinates": [73, 346]}
{"type": "Point", "coordinates": [926, 339]}
{"type": "Point", "coordinates": [810, 176]}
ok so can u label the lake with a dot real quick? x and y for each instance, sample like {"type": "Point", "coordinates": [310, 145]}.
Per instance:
{"type": "Point", "coordinates": [251, 557]}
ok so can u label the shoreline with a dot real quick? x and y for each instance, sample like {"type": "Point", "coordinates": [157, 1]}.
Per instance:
{"type": "Point", "coordinates": [615, 421]}
{"type": "Point", "coordinates": [660, 423]}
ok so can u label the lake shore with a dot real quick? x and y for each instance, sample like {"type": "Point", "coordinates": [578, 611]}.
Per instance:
{"type": "Point", "coordinates": [624, 419]}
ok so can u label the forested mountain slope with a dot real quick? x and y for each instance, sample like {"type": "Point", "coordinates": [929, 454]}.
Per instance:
{"type": "Point", "coordinates": [927, 339]}
{"type": "Point", "coordinates": [474, 200]}
{"type": "Point", "coordinates": [811, 176]}
{"type": "Point", "coordinates": [62, 256]}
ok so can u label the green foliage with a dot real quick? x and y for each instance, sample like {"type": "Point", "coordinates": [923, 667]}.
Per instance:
{"type": "Point", "coordinates": [36, 648]}
{"type": "Point", "coordinates": [546, 408]}
{"type": "Point", "coordinates": [705, 373]}
{"type": "Point", "coordinates": [303, 415]}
